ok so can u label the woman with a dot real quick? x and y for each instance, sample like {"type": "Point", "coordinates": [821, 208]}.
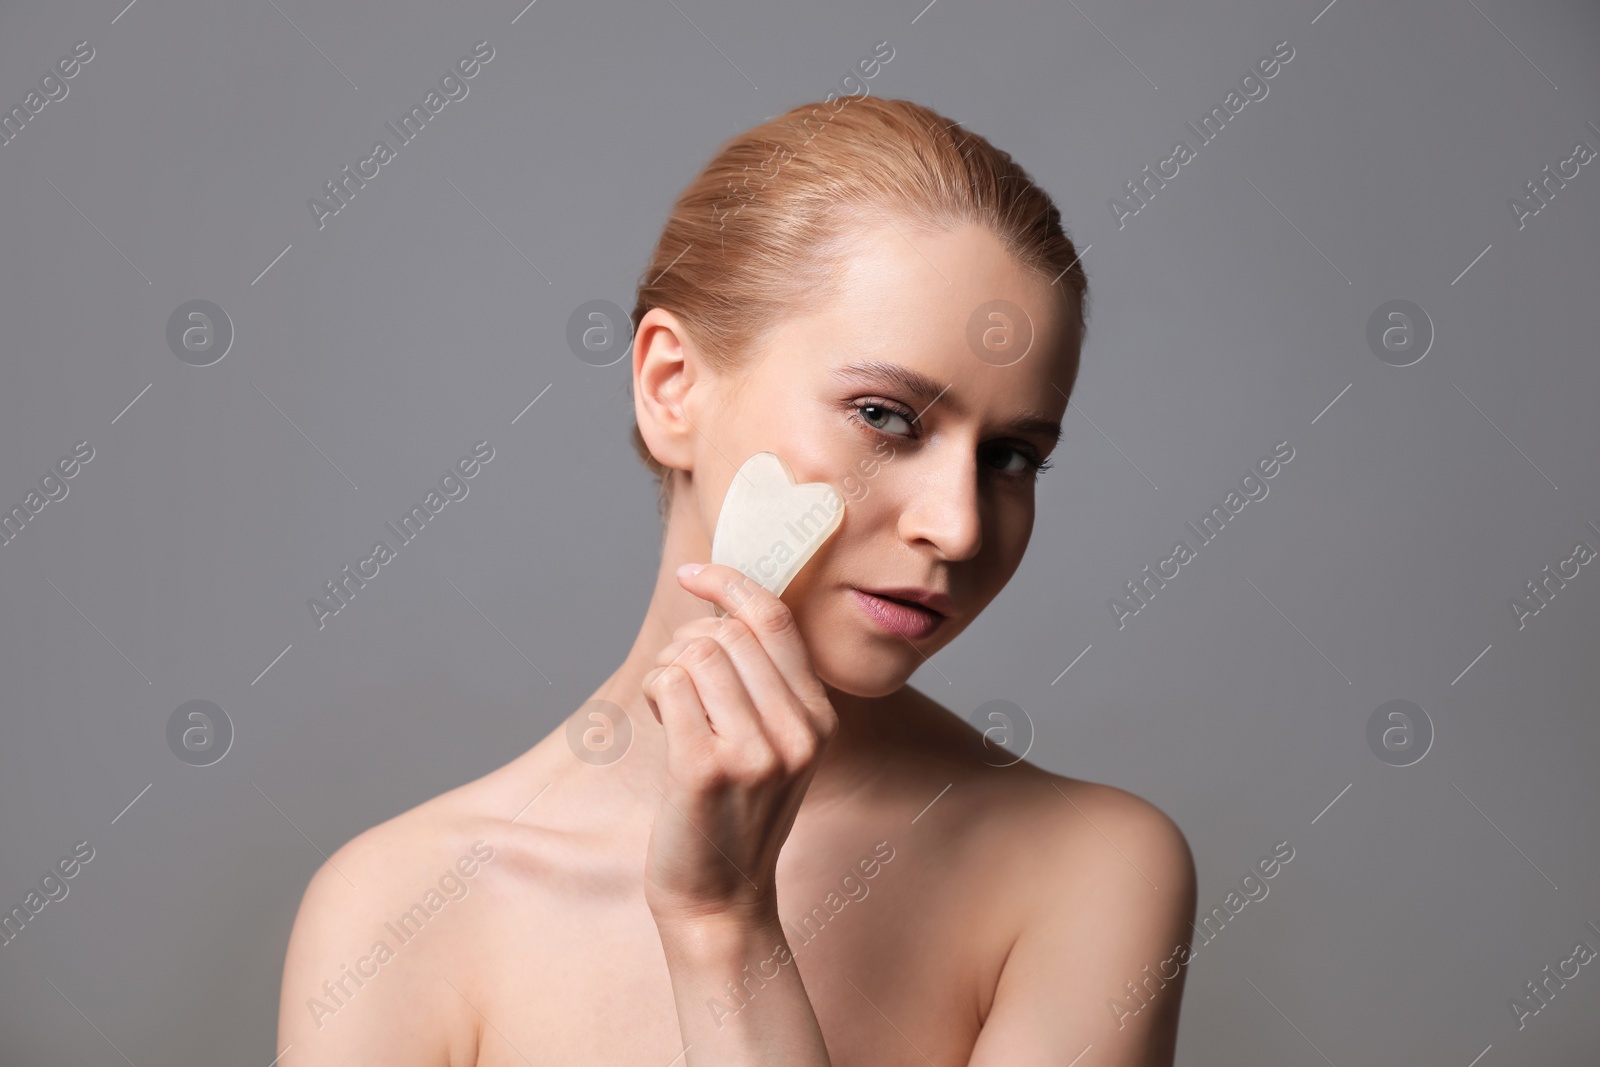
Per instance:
{"type": "Point", "coordinates": [794, 858]}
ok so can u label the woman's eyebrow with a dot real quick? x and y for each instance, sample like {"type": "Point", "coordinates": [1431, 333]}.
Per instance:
{"type": "Point", "coordinates": [926, 391]}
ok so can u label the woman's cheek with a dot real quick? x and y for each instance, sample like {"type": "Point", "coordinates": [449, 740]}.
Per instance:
{"type": "Point", "coordinates": [813, 460]}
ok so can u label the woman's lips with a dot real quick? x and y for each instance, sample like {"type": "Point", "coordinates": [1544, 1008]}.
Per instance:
{"type": "Point", "coordinates": [910, 621]}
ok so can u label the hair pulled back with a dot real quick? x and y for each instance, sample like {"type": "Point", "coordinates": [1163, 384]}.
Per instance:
{"type": "Point", "coordinates": [763, 227]}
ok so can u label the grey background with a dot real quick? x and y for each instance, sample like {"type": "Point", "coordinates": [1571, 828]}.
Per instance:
{"type": "Point", "coordinates": [1226, 317]}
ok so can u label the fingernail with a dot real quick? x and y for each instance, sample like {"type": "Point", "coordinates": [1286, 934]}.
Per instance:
{"type": "Point", "coordinates": [689, 570]}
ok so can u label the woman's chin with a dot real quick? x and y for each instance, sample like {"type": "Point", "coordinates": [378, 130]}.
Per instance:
{"type": "Point", "coordinates": [859, 673]}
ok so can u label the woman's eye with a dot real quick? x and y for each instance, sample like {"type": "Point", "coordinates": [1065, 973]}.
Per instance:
{"type": "Point", "coordinates": [1008, 460]}
{"type": "Point", "coordinates": [1014, 462]}
{"type": "Point", "coordinates": [880, 416]}
{"type": "Point", "coordinates": [1017, 461]}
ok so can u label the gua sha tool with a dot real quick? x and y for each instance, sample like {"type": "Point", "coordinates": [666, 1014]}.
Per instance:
{"type": "Point", "coordinates": [770, 527]}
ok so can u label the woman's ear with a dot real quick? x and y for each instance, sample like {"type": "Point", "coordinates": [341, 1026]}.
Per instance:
{"type": "Point", "coordinates": [664, 368]}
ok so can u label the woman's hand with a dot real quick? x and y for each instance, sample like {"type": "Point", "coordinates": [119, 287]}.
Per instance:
{"type": "Point", "coordinates": [746, 719]}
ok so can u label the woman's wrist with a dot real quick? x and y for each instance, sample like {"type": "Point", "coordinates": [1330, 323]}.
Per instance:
{"type": "Point", "coordinates": [719, 937]}
{"type": "Point", "coordinates": [739, 994]}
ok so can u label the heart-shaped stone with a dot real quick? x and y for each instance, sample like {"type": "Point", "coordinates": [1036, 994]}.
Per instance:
{"type": "Point", "coordinates": [769, 527]}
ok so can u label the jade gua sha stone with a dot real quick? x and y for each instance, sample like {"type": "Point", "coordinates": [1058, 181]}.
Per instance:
{"type": "Point", "coordinates": [769, 527]}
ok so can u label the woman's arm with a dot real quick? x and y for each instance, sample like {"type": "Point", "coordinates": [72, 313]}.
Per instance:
{"type": "Point", "coordinates": [746, 719]}
{"type": "Point", "coordinates": [740, 999]}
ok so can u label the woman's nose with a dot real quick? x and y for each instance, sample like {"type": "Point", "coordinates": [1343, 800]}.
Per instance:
{"type": "Point", "coordinates": [941, 504]}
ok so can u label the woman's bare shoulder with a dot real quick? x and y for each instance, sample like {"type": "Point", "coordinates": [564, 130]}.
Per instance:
{"type": "Point", "coordinates": [1121, 829]}
{"type": "Point", "coordinates": [1074, 823]}
{"type": "Point", "coordinates": [1076, 884]}
{"type": "Point", "coordinates": [1092, 883]}
{"type": "Point", "coordinates": [417, 839]}
{"type": "Point", "coordinates": [382, 919]}
{"type": "Point", "coordinates": [1101, 854]}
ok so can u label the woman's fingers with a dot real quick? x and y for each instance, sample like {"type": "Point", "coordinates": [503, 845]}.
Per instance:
{"type": "Point", "coordinates": [783, 716]}
{"type": "Point", "coordinates": [746, 684]}
{"type": "Point", "coordinates": [721, 694]}
{"type": "Point", "coordinates": [676, 705]}
{"type": "Point", "coordinates": [772, 624]}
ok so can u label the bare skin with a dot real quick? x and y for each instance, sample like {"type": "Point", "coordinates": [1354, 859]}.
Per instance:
{"type": "Point", "coordinates": [881, 892]}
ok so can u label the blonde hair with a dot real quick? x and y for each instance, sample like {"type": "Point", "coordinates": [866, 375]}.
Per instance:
{"type": "Point", "coordinates": [762, 228]}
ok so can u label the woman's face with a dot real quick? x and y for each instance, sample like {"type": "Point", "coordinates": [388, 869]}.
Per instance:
{"type": "Point", "coordinates": [909, 398]}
